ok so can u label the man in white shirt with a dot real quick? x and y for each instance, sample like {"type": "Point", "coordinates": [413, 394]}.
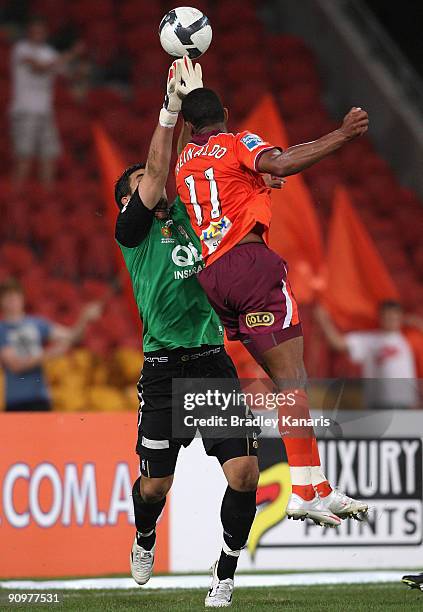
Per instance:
{"type": "Point", "coordinates": [384, 355]}
{"type": "Point", "coordinates": [34, 65]}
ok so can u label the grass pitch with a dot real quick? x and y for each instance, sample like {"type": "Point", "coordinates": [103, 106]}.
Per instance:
{"type": "Point", "coordinates": [339, 598]}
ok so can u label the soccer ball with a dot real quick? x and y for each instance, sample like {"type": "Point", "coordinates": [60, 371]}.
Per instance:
{"type": "Point", "coordinates": [185, 31]}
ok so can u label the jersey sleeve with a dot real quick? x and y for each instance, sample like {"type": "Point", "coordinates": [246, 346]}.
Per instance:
{"type": "Point", "coordinates": [357, 345]}
{"type": "Point", "coordinates": [134, 222]}
{"type": "Point", "coordinates": [249, 147]}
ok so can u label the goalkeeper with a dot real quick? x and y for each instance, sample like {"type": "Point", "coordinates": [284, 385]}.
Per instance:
{"type": "Point", "coordinates": [182, 337]}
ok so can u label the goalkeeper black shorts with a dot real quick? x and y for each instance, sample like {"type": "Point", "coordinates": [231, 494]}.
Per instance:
{"type": "Point", "coordinates": [160, 430]}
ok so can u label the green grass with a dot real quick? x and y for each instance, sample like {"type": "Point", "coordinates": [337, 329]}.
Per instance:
{"type": "Point", "coordinates": [342, 598]}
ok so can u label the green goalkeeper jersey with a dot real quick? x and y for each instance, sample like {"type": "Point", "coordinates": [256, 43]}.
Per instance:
{"type": "Point", "coordinates": [173, 307]}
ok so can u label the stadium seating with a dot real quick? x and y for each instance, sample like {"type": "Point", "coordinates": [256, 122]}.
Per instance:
{"type": "Point", "coordinates": [59, 244]}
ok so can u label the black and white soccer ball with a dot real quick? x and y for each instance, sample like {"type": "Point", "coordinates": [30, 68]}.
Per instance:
{"type": "Point", "coordinates": [185, 31]}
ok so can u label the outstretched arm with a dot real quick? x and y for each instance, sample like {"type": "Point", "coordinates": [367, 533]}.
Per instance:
{"type": "Point", "coordinates": [154, 180]}
{"type": "Point", "coordinates": [299, 157]}
{"type": "Point", "coordinates": [334, 337]}
{"type": "Point", "coordinates": [183, 77]}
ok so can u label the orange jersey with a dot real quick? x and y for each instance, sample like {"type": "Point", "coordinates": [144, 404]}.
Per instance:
{"type": "Point", "coordinates": [224, 194]}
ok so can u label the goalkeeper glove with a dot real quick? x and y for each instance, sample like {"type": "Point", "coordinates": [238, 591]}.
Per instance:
{"type": "Point", "coordinates": [182, 79]}
{"type": "Point", "coordinates": [191, 77]}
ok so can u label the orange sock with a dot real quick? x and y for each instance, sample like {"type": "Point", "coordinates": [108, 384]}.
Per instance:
{"type": "Point", "coordinates": [298, 443]}
{"type": "Point", "coordinates": [319, 481]}
{"type": "Point", "coordinates": [306, 492]}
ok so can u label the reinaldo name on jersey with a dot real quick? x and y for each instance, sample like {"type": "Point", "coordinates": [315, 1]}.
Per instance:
{"type": "Point", "coordinates": [189, 153]}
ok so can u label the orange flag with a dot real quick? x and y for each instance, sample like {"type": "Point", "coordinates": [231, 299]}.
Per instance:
{"type": "Point", "coordinates": [112, 164]}
{"type": "Point", "coordinates": [295, 232]}
{"type": "Point", "coordinates": [357, 277]}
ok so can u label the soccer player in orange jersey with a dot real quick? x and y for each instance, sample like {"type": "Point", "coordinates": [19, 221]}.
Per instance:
{"type": "Point", "coordinates": [219, 177]}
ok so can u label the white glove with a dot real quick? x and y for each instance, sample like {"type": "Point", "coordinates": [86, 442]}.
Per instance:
{"type": "Point", "coordinates": [191, 77]}
{"type": "Point", "coordinates": [172, 103]}
{"type": "Point", "coordinates": [182, 78]}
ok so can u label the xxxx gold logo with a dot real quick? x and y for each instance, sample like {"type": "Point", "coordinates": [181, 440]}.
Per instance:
{"type": "Point", "coordinates": [254, 319]}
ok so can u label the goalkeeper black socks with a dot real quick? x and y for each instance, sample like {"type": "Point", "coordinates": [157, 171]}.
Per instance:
{"type": "Point", "coordinates": [237, 515]}
{"type": "Point", "coordinates": [146, 540]}
{"type": "Point", "coordinates": [146, 516]}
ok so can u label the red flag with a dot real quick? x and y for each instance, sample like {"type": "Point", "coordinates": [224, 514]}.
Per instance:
{"type": "Point", "coordinates": [357, 277]}
{"type": "Point", "coordinates": [295, 231]}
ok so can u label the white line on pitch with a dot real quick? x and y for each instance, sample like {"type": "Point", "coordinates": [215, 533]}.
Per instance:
{"type": "Point", "coordinates": [194, 582]}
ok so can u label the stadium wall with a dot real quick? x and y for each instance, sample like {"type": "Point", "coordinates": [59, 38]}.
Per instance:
{"type": "Point", "coordinates": [65, 482]}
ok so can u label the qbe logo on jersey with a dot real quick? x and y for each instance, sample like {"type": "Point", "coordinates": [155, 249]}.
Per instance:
{"type": "Point", "coordinates": [387, 474]}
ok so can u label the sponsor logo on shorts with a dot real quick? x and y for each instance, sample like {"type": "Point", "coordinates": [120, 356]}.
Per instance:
{"type": "Point", "coordinates": [156, 359]}
{"type": "Point", "coordinates": [251, 141]}
{"type": "Point", "coordinates": [207, 353]}
{"type": "Point", "coordinates": [256, 319]}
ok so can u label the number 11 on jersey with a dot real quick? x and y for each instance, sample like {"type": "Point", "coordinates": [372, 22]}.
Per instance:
{"type": "Point", "coordinates": [214, 196]}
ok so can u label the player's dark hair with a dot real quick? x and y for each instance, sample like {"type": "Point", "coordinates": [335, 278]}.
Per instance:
{"type": "Point", "coordinates": [203, 107]}
{"type": "Point", "coordinates": [390, 304]}
{"type": "Point", "coordinates": [10, 285]}
{"type": "Point", "coordinates": [122, 187]}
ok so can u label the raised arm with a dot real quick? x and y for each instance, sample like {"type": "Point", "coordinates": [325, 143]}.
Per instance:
{"type": "Point", "coordinates": [55, 64]}
{"type": "Point", "coordinates": [334, 337]}
{"type": "Point", "coordinates": [299, 157]}
{"type": "Point", "coordinates": [74, 334]}
{"type": "Point", "coordinates": [183, 77]}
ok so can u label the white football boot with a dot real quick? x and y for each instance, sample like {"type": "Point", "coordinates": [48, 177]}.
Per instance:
{"type": "Point", "coordinates": [300, 509]}
{"type": "Point", "coordinates": [141, 562]}
{"type": "Point", "coordinates": [220, 593]}
{"type": "Point", "coordinates": [344, 506]}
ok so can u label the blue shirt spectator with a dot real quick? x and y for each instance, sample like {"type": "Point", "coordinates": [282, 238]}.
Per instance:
{"type": "Point", "coordinates": [28, 337]}
{"type": "Point", "coordinates": [26, 343]}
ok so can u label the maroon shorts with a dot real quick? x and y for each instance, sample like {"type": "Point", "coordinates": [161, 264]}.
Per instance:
{"type": "Point", "coordinates": [249, 289]}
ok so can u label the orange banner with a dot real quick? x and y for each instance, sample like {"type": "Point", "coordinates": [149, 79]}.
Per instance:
{"type": "Point", "coordinates": [357, 277]}
{"type": "Point", "coordinates": [295, 231]}
{"type": "Point", "coordinates": [66, 505]}
{"type": "Point", "coordinates": [112, 165]}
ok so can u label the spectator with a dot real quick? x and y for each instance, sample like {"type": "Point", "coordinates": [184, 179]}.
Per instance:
{"type": "Point", "coordinates": [22, 347]}
{"type": "Point", "coordinates": [384, 355]}
{"type": "Point", "coordinates": [34, 134]}
{"type": "Point", "coordinates": [81, 80]}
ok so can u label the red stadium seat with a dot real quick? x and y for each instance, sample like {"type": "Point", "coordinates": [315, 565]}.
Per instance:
{"type": "Point", "coordinates": [80, 14]}
{"type": "Point", "coordinates": [17, 257]}
{"type": "Point", "coordinates": [95, 290]}
{"type": "Point", "coordinates": [283, 46]}
{"type": "Point", "coordinates": [139, 39]}
{"type": "Point", "coordinates": [146, 98]}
